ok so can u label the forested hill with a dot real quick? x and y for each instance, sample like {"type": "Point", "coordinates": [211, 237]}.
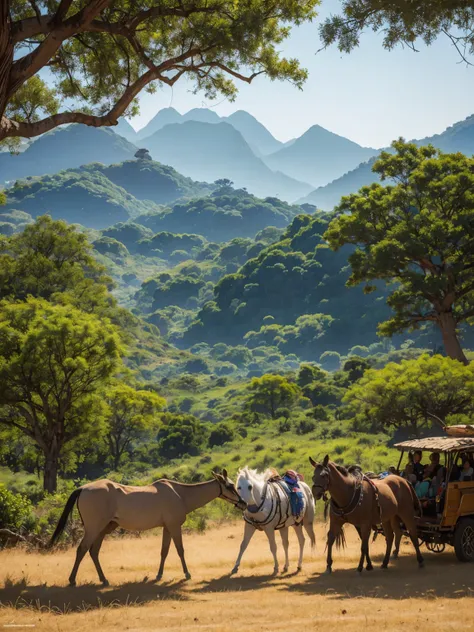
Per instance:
{"type": "Point", "coordinates": [98, 196]}
{"type": "Point", "coordinates": [292, 296]}
{"type": "Point", "coordinates": [225, 214]}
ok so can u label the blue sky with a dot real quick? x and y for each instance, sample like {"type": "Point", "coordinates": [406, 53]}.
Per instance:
{"type": "Point", "coordinates": [370, 96]}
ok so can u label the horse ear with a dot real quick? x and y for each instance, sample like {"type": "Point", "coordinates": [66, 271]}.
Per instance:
{"type": "Point", "coordinates": [214, 474]}
{"type": "Point", "coordinates": [326, 460]}
{"type": "Point", "coordinates": [224, 473]}
{"type": "Point", "coordinates": [312, 461]}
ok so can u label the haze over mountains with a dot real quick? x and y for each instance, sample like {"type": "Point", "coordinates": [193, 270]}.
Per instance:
{"type": "Point", "coordinates": [317, 168]}
{"type": "Point", "coordinates": [458, 137]}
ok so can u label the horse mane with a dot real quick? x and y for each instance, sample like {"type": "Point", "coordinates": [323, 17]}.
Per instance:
{"type": "Point", "coordinates": [262, 477]}
{"type": "Point", "coordinates": [343, 470]}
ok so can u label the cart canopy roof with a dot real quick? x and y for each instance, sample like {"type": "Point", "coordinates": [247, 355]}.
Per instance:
{"type": "Point", "coordinates": [439, 444]}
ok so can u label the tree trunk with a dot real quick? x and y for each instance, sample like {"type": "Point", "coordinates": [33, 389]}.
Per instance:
{"type": "Point", "coordinates": [453, 349]}
{"type": "Point", "coordinates": [50, 480]}
{"type": "Point", "coordinates": [6, 53]}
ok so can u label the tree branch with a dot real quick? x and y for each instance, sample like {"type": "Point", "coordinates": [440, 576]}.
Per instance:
{"type": "Point", "coordinates": [10, 128]}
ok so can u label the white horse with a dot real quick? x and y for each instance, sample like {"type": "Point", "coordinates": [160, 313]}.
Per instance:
{"type": "Point", "coordinates": [269, 509]}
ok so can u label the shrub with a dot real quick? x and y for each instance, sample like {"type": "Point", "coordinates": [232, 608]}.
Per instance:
{"type": "Point", "coordinates": [222, 433]}
{"type": "Point", "coordinates": [305, 426]}
{"type": "Point", "coordinates": [284, 425]}
{"type": "Point", "coordinates": [15, 511]}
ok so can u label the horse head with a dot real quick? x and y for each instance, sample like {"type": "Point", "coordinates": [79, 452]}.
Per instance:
{"type": "Point", "coordinates": [246, 482]}
{"type": "Point", "coordinates": [228, 490]}
{"type": "Point", "coordinates": [320, 477]}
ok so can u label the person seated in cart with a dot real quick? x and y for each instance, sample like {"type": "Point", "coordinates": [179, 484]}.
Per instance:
{"type": "Point", "coordinates": [467, 470]}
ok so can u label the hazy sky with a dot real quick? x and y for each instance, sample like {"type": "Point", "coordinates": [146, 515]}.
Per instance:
{"type": "Point", "coordinates": [370, 96]}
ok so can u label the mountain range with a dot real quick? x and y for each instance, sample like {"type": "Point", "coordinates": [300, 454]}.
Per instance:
{"type": "Point", "coordinates": [316, 168]}
{"type": "Point", "coordinates": [208, 152]}
{"type": "Point", "coordinates": [458, 137]}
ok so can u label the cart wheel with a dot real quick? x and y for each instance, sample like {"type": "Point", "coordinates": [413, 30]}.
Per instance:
{"type": "Point", "coordinates": [464, 540]}
{"type": "Point", "coordinates": [436, 547]}
{"type": "Point", "coordinates": [421, 542]}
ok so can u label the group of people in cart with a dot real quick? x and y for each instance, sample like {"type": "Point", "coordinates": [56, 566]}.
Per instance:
{"type": "Point", "coordinates": [430, 479]}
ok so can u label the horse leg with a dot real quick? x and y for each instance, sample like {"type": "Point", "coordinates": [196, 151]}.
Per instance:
{"type": "Point", "coordinates": [270, 531]}
{"type": "Point", "coordinates": [165, 547]}
{"type": "Point", "coordinates": [284, 540]}
{"type": "Point", "coordinates": [388, 531]}
{"type": "Point", "coordinates": [249, 530]}
{"type": "Point", "coordinates": [95, 550]}
{"type": "Point", "coordinates": [398, 536]}
{"type": "Point", "coordinates": [330, 543]}
{"type": "Point", "coordinates": [364, 548]}
{"type": "Point", "coordinates": [410, 524]}
{"type": "Point", "coordinates": [86, 543]}
{"type": "Point", "coordinates": [178, 542]}
{"type": "Point", "coordinates": [301, 542]}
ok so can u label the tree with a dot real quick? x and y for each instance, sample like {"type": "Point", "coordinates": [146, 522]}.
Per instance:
{"type": "Point", "coordinates": [131, 416]}
{"type": "Point", "coordinates": [53, 361]}
{"type": "Point", "coordinates": [180, 435]}
{"type": "Point", "coordinates": [417, 234]}
{"type": "Point", "coordinates": [103, 53]}
{"type": "Point", "coordinates": [402, 23]}
{"type": "Point", "coordinates": [271, 392]}
{"type": "Point", "coordinates": [48, 258]}
{"type": "Point", "coordinates": [409, 393]}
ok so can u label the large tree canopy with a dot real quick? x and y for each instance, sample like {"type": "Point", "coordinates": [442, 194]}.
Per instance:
{"type": "Point", "coordinates": [54, 359]}
{"type": "Point", "coordinates": [101, 53]}
{"type": "Point", "coordinates": [402, 23]}
{"type": "Point", "coordinates": [417, 234]}
{"type": "Point", "coordinates": [413, 393]}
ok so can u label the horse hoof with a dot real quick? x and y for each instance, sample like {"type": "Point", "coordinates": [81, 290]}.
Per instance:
{"type": "Point", "coordinates": [105, 583]}
{"type": "Point", "coordinates": [159, 577]}
{"type": "Point", "coordinates": [187, 576]}
{"type": "Point", "coordinates": [394, 556]}
{"type": "Point", "coordinates": [421, 565]}
{"type": "Point", "coordinates": [384, 567]}
{"type": "Point", "coordinates": [275, 571]}
{"type": "Point", "coordinates": [285, 569]}
{"type": "Point", "coordinates": [234, 571]}
{"type": "Point", "coordinates": [328, 571]}
{"type": "Point", "coordinates": [72, 583]}
{"type": "Point", "coordinates": [369, 568]}
{"type": "Point", "coordinates": [299, 569]}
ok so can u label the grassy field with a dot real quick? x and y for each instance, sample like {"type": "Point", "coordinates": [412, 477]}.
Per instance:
{"type": "Point", "coordinates": [34, 591]}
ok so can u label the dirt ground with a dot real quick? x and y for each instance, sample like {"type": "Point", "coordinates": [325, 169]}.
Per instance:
{"type": "Point", "coordinates": [34, 592]}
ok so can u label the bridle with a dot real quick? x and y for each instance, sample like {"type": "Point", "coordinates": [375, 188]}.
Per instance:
{"type": "Point", "coordinates": [325, 475]}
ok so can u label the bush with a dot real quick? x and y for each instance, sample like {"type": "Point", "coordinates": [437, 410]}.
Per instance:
{"type": "Point", "coordinates": [222, 433]}
{"type": "Point", "coordinates": [284, 425]}
{"type": "Point", "coordinates": [305, 426]}
{"type": "Point", "coordinates": [283, 412]}
{"type": "Point", "coordinates": [15, 511]}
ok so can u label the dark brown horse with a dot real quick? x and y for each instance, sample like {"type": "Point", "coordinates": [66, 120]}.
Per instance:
{"type": "Point", "coordinates": [363, 503]}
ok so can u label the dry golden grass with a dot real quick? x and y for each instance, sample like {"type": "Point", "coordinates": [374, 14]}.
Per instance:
{"type": "Point", "coordinates": [34, 591]}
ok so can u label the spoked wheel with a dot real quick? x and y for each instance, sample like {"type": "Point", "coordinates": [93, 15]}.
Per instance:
{"type": "Point", "coordinates": [421, 542]}
{"type": "Point", "coordinates": [464, 540]}
{"type": "Point", "coordinates": [436, 547]}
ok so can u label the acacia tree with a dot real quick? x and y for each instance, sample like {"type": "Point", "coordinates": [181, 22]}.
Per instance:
{"type": "Point", "coordinates": [102, 53]}
{"type": "Point", "coordinates": [402, 23]}
{"type": "Point", "coordinates": [410, 393]}
{"type": "Point", "coordinates": [132, 414]}
{"type": "Point", "coordinates": [417, 234]}
{"type": "Point", "coordinates": [53, 361]}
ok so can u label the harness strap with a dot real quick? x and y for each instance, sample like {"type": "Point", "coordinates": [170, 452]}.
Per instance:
{"type": "Point", "coordinates": [376, 493]}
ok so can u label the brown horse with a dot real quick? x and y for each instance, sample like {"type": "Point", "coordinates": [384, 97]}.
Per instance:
{"type": "Point", "coordinates": [363, 503]}
{"type": "Point", "coordinates": [104, 505]}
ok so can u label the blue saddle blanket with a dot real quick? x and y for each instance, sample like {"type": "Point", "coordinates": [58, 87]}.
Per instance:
{"type": "Point", "coordinates": [295, 494]}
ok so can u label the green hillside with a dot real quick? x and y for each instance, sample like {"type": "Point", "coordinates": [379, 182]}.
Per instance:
{"type": "Point", "coordinates": [79, 196]}
{"type": "Point", "coordinates": [225, 214]}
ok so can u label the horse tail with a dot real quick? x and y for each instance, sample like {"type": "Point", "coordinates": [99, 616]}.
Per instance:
{"type": "Point", "coordinates": [416, 501]}
{"type": "Point", "coordinates": [71, 501]}
{"type": "Point", "coordinates": [341, 539]}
